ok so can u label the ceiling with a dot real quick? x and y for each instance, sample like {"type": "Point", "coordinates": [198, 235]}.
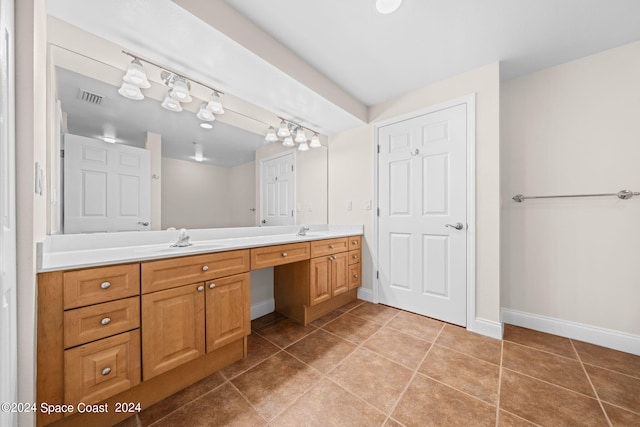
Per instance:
{"type": "Point", "coordinates": [371, 57]}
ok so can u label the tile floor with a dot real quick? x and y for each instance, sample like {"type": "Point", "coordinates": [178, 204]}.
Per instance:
{"type": "Point", "coordinates": [373, 365]}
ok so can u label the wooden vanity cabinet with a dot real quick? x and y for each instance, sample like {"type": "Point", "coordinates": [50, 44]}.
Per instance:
{"type": "Point", "coordinates": [228, 310]}
{"type": "Point", "coordinates": [328, 277]}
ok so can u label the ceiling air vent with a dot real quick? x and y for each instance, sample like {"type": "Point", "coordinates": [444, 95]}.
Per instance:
{"type": "Point", "coordinates": [90, 97]}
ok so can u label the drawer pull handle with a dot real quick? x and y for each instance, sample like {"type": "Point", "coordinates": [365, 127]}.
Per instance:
{"type": "Point", "coordinates": [106, 371]}
{"type": "Point", "coordinates": [355, 276]}
{"type": "Point", "coordinates": [355, 257]}
{"type": "Point", "coordinates": [330, 246]}
{"type": "Point", "coordinates": [205, 267]}
{"type": "Point", "coordinates": [354, 242]}
{"type": "Point", "coordinates": [332, 257]}
{"type": "Point", "coordinates": [105, 285]}
{"type": "Point", "coordinates": [105, 321]}
{"type": "Point", "coordinates": [200, 288]}
{"type": "Point", "coordinates": [212, 285]}
{"type": "Point", "coordinates": [284, 254]}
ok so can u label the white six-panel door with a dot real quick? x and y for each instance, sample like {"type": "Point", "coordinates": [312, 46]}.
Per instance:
{"type": "Point", "coordinates": [277, 190]}
{"type": "Point", "coordinates": [107, 187]}
{"type": "Point", "coordinates": [422, 188]}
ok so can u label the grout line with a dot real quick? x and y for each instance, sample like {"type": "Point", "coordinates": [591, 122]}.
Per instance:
{"type": "Point", "coordinates": [521, 418]}
{"type": "Point", "coordinates": [248, 401]}
{"type": "Point", "coordinates": [499, 383]}
{"type": "Point", "coordinates": [606, 416]}
{"type": "Point", "coordinates": [550, 383]}
{"type": "Point", "coordinates": [575, 359]}
{"type": "Point", "coordinates": [456, 389]}
{"type": "Point", "coordinates": [470, 355]}
{"type": "Point", "coordinates": [612, 370]}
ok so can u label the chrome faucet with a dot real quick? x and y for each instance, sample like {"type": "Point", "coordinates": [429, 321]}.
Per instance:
{"type": "Point", "coordinates": [183, 239]}
{"type": "Point", "coordinates": [303, 231]}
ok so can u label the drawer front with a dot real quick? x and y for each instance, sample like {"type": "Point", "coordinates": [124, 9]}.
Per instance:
{"type": "Point", "coordinates": [328, 247]}
{"type": "Point", "coordinates": [98, 370]}
{"type": "Point", "coordinates": [171, 273]}
{"type": "Point", "coordinates": [102, 284]}
{"type": "Point", "coordinates": [100, 321]}
{"type": "Point", "coordinates": [354, 257]}
{"type": "Point", "coordinates": [270, 256]}
{"type": "Point", "coordinates": [355, 276]}
{"type": "Point", "coordinates": [355, 242]}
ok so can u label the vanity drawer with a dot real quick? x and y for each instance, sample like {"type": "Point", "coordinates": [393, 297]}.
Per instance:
{"type": "Point", "coordinates": [355, 242]}
{"type": "Point", "coordinates": [355, 275]}
{"type": "Point", "coordinates": [270, 256]}
{"type": "Point", "coordinates": [98, 370]}
{"type": "Point", "coordinates": [328, 247]}
{"type": "Point", "coordinates": [96, 285]}
{"type": "Point", "coordinates": [101, 320]}
{"type": "Point", "coordinates": [170, 273]}
{"type": "Point", "coordinates": [354, 257]}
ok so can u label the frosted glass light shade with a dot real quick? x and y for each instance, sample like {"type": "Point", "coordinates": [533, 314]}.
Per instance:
{"type": "Point", "coordinates": [180, 91]}
{"type": "Point", "coordinates": [171, 104]}
{"type": "Point", "coordinates": [303, 146]}
{"type": "Point", "coordinates": [315, 141]}
{"type": "Point", "coordinates": [300, 135]}
{"type": "Point", "coordinates": [288, 142]}
{"type": "Point", "coordinates": [204, 114]}
{"type": "Point", "coordinates": [215, 104]}
{"type": "Point", "coordinates": [283, 130]}
{"type": "Point", "coordinates": [130, 91]}
{"type": "Point", "coordinates": [271, 135]}
{"type": "Point", "coordinates": [387, 6]}
{"type": "Point", "coordinates": [136, 75]}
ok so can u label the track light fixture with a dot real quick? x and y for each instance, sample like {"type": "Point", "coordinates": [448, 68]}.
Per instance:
{"type": "Point", "coordinates": [288, 131]}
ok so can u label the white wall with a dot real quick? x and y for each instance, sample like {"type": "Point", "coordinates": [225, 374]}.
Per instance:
{"type": "Point", "coordinates": [574, 129]}
{"type": "Point", "coordinates": [351, 170]}
{"type": "Point", "coordinates": [242, 195]}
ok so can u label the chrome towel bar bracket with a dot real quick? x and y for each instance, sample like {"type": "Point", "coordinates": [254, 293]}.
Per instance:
{"type": "Point", "coordinates": [622, 194]}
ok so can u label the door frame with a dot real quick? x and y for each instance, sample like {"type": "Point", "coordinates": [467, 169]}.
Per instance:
{"type": "Point", "coordinates": [470, 102]}
{"type": "Point", "coordinates": [295, 183]}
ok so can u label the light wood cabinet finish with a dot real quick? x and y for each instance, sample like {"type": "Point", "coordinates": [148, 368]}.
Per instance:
{"type": "Point", "coordinates": [271, 256]}
{"type": "Point", "coordinates": [328, 277]}
{"type": "Point", "coordinates": [169, 273]}
{"type": "Point", "coordinates": [82, 325]}
{"type": "Point", "coordinates": [328, 247]}
{"type": "Point", "coordinates": [339, 274]}
{"type": "Point", "coordinates": [355, 275]}
{"type": "Point", "coordinates": [172, 328]}
{"type": "Point", "coordinates": [355, 242]}
{"type": "Point", "coordinates": [100, 284]}
{"type": "Point", "coordinates": [98, 370]}
{"type": "Point", "coordinates": [227, 307]}
{"type": "Point", "coordinates": [354, 257]}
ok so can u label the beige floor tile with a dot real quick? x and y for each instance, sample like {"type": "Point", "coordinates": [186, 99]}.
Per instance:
{"type": "Point", "coordinates": [618, 389]}
{"type": "Point", "coordinates": [547, 404]}
{"type": "Point", "coordinates": [266, 320]}
{"type": "Point", "coordinates": [429, 403]}
{"type": "Point", "coordinates": [352, 328]}
{"type": "Point", "coordinates": [373, 378]}
{"type": "Point", "coordinates": [328, 404]}
{"type": "Point", "coordinates": [465, 373]}
{"type": "Point", "coordinates": [374, 312]}
{"type": "Point", "coordinates": [258, 349]}
{"type": "Point", "coordinates": [285, 332]}
{"type": "Point", "coordinates": [418, 326]}
{"type": "Point", "coordinates": [276, 383]}
{"type": "Point", "coordinates": [332, 315]}
{"type": "Point", "coordinates": [558, 370]}
{"type": "Point", "coordinates": [399, 347]}
{"type": "Point", "coordinates": [509, 420]}
{"type": "Point", "coordinates": [351, 305]}
{"type": "Point", "coordinates": [621, 417]}
{"type": "Point", "coordinates": [539, 340]}
{"type": "Point", "coordinates": [321, 350]}
{"type": "Point", "coordinates": [476, 345]}
{"type": "Point", "coordinates": [608, 358]}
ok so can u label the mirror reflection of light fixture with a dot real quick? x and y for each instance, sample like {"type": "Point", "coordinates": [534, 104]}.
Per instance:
{"type": "Point", "coordinates": [303, 146]}
{"type": "Point", "coordinates": [109, 139]}
{"type": "Point", "coordinates": [315, 141]}
{"type": "Point", "coordinates": [204, 114]}
{"type": "Point", "coordinates": [205, 125]}
{"type": "Point", "coordinates": [198, 154]}
{"type": "Point", "coordinates": [215, 103]}
{"type": "Point", "coordinates": [271, 135]}
{"type": "Point", "coordinates": [171, 104]}
{"type": "Point", "coordinates": [180, 90]}
{"type": "Point", "coordinates": [283, 130]}
{"type": "Point", "coordinates": [387, 6]}
{"type": "Point", "coordinates": [130, 91]}
{"type": "Point", "coordinates": [288, 142]}
{"type": "Point", "coordinates": [136, 75]}
{"type": "Point", "coordinates": [300, 136]}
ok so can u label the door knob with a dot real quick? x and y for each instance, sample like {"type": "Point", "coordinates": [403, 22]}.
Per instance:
{"type": "Point", "coordinates": [457, 225]}
{"type": "Point", "coordinates": [264, 221]}
{"type": "Point", "coordinates": [144, 223]}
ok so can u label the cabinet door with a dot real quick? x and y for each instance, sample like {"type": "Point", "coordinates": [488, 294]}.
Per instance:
{"type": "Point", "coordinates": [355, 275]}
{"type": "Point", "coordinates": [320, 280]}
{"type": "Point", "coordinates": [339, 273]}
{"type": "Point", "coordinates": [172, 328]}
{"type": "Point", "coordinates": [227, 310]}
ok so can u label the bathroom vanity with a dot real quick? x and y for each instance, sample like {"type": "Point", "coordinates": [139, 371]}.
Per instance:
{"type": "Point", "coordinates": [134, 324]}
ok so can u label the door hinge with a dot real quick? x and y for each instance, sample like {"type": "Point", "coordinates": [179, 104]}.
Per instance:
{"type": "Point", "coordinates": [291, 212]}
{"type": "Point", "coordinates": [62, 153]}
{"type": "Point", "coordinates": [378, 210]}
{"type": "Point", "coordinates": [377, 274]}
{"type": "Point", "coordinates": [378, 149]}
{"type": "Point", "coordinates": [291, 168]}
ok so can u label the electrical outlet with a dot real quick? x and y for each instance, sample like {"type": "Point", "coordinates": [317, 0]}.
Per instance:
{"type": "Point", "coordinates": [349, 205]}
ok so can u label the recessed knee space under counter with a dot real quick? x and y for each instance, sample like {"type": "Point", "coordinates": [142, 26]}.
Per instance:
{"type": "Point", "coordinates": [124, 318]}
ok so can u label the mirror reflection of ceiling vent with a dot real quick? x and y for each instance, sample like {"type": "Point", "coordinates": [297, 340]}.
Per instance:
{"type": "Point", "coordinates": [90, 97]}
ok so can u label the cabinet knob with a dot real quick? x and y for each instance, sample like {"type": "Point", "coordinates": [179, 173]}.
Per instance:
{"type": "Point", "coordinates": [355, 257]}
{"type": "Point", "coordinates": [200, 288]}
{"type": "Point", "coordinates": [330, 246]}
{"type": "Point", "coordinates": [105, 321]}
{"type": "Point", "coordinates": [284, 254]}
{"type": "Point", "coordinates": [105, 285]}
{"type": "Point", "coordinates": [106, 371]}
{"type": "Point", "coordinates": [354, 242]}
{"type": "Point", "coordinates": [332, 257]}
{"type": "Point", "coordinates": [355, 276]}
{"type": "Point", "coordinates": [212, 285]}
{"type": "Point", "coordinates": [205, 267]}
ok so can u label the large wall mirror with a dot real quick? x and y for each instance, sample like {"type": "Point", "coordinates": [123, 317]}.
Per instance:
{"type": "Point", "coordinates": [222, 176]}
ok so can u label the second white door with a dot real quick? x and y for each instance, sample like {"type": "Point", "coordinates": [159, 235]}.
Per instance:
{"type": "Point", "coordinates": [422, 224]}
{"type": "Point", "coordinates": [277, 190]}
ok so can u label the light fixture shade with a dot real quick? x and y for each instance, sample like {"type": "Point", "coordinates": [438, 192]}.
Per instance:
{"type": "Point", "coordinates": [288, 142]}
{"type": "Point", "coordinates": [387, 6]}
{"type": "Point", "coordinates": [300, 135]}
{"type": "Point", "coordinates": [171, 104]}
{"type": "Point", "coordinates": [180, 90]}
{"type": "Point", "coordinates": [271, 135]}
{"type": "Point", "coordinates": [198, 154]}
{"type": "Point", "coordinates": [206, 125]}
{"type": "Point", "coordinates": [283, 130]}
{"type": "Point", "coordinates": [303, 146]}
{"type": "Point", "coordinates": [215, 104]}
{"type": "Point", "coordinates": [315, 141]}
{"type": "Point", "coordinates": [136, 75]}
{"type": "Point", "coordinates": [130, 91]}
{"type": "Point", "coordinates": [204, 114]}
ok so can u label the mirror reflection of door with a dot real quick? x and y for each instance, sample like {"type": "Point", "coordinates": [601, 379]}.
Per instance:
{"type": "Point", "coordinates": [277, 189]}
{"type": "Point", "coordinates": [107, 187]}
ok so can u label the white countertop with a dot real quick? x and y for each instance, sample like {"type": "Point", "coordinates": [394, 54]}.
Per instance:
{"type": "Point", "coordinates": [64, 252]}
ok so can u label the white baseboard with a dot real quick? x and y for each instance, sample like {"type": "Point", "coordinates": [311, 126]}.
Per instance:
{"type": "Point", "coordinates": [485, 327]}
{"type": "Point", "coordinates": [365, 294]}
{"type": "Point", "coordinates": [592, 334]}
{"type": "Point", "coordinates": [262, 308]}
